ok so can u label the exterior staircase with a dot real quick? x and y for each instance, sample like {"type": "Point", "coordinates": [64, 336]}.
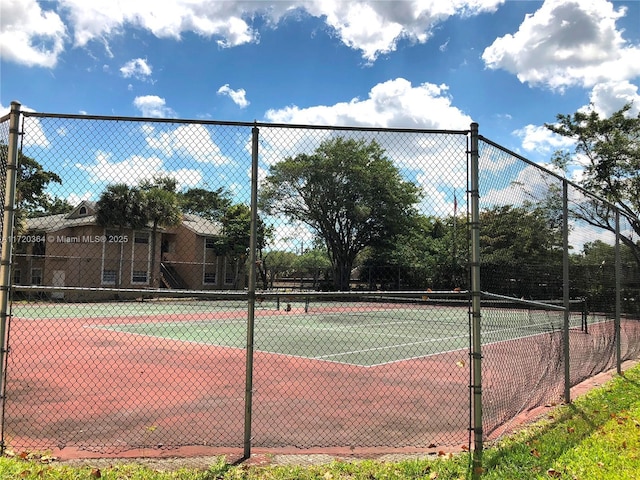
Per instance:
{"type": "Point", "coordinates": [170, 278]}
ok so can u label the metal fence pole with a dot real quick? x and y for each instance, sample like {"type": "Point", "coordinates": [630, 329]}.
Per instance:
{"type": "Point", "coordinates": [251, 293]}
{"type": "Point", "coordinates": [6, 251]}
{"type": "Point", "coordinates": [618, 272]}
{"type": "Point", "coordinates": [566, 290]}
{"type": "Point", "coordinates": [476, 352]}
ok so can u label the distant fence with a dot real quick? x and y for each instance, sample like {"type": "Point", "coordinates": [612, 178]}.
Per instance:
{"type": "Point", "coordinates": [238, 285]}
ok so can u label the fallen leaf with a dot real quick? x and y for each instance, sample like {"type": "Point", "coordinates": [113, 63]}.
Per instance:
{"type": "Point", "coordinates": [554, 473]}
{"type": "Point", "coordinates": [460, 363]}
{"type": "Point", "coordinates": [47, 458]}
{"type": "Point", "coordinates": [96, 473]}
{"type": "Point", "coordinates": [535, 453]}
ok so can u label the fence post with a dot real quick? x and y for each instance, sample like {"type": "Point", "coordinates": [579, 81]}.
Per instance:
{"type": "Point", "coordinates": [251, 291]}
{"type": "Point", "coordinates": [618, 273]}
{"type": "Point", "coordinates": [566, 298]}
{"type": "Point", "coordinates": [6, 252]}
{"type": "Point", "coordinates": [476, 353]}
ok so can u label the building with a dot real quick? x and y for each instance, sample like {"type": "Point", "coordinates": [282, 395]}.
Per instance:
{"type": "Point", "coordinates": [72, 250]}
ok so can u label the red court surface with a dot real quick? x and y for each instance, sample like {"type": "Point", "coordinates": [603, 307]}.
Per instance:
{"type": "Point", "coordinates": [87, 392]}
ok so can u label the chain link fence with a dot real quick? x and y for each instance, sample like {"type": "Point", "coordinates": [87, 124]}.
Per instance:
{"type": "Point", "coordinates": [138, 306]}
{"type": "Point", "coordinates": [521, 265]}
{"type": "Point", "coordinates": [549, 243]}
{"type": "Point", "coordinates": [236, 285]}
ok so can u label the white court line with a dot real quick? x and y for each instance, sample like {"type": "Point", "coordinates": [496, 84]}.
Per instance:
{"type": "Point", "coordinates": [432, 340]}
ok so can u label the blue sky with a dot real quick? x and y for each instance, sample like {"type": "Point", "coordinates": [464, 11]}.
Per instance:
{"type": "Point", "coordinates": [511, 66]}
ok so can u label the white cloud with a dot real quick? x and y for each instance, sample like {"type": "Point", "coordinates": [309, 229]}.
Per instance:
{"type": "Point", "coordinates": [137, 68]}
{"type": "Point", "coordinates": [371, 27]}
{"type": "Point", "coordinates": [291, 237]}
{"type": "Point", "coordinates": [607, 98]}
{"type": "Point", "coordinates": [29, 35]}
{"type": "Point", "coordinates": [527, 183]}
{"type": "Point", "coordinates": [99, 19]}
{"type": "Point", "coordinates": [193, 140]}
{"type": "Point", "coordinates": [393, 104]}
{"type": "Point", "coordinates": [375, 28]}
{"type": "Point", "coordinates": [437, 162]}
{"type": "Point", "coordinates": [135, 169]}
{"type": "Point", "coordinates": [542, 140]}
{"type": "Point", "coordinates": [567, 43]}
{"type": "Point", "coordinates": [34, 134]}
{"type": "Point", "coordinates": [153, 106]}
{"type": "Point", "coordinates": [238, 96]}
{"type": "Point", "coordinates": [74, 199]}
{"type": "Point", "coordinates": [580, 234]}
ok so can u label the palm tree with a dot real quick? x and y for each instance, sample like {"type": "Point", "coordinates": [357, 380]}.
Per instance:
{"type": "Point", "coordinates": [162, 209]}
{"type": "Point", "coordinates": [121, 206]}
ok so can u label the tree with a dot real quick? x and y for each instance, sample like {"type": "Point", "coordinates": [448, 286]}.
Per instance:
{"type": "Point", "coordinates": [32, 200]}
{"type": "Point", "coordinates": [53, 206]}
{"type": "Point", "coordinates": [314, 261]}
{"type": "Point", "coordinates": [277, 263]}
{"type": "Point", "coordinates": [236, 232]}
{"type": "Point", "coordinates": [205, 203]}
{"type": "Point", "coordinates": [593, 273]}
{"type": "Point", "coordinates": [348, 192]}
{"type": "Point", "coordinates": [121, 206]}
{"type": "Point", "coordinates": [521, 251]}
{"type": "Point", "coordinates": [421, 257]}
{"type": "Point", "coordinates": [611, 148]}
{"type": "Point", "coordinates": [162, 210]}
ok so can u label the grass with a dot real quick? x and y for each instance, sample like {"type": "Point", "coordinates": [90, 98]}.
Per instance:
{"type": "Point", "coordinates": [597, 437]}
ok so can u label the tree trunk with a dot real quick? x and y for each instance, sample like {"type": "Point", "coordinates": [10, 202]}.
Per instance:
{"type": "Point", "coordinates": [342, 276]}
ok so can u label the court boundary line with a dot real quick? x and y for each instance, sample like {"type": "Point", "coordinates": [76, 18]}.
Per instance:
{"type": "Point", "coordinates": [324, 358]}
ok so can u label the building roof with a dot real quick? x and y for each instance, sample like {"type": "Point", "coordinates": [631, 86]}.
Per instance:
{"type": "Point", "coordinates": [201, 226]}
{"type": "Point", "coordinates": [52, 223]}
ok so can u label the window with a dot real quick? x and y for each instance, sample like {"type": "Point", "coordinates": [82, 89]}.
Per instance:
{"type": "Point", "coordinates": [139, 276]}
{"type": "Point", "coordinates": [82, 211]}
{"type": "Point", "coordinates": [38, 248]}
{"type": "Point", "coordinates": [109, 277]}
{"type": "Point", "coordinates": [209, 278]}
{"type": "Point", "coordinates": [141, 237]}
{"type": "Point", "coordinates": [36, 276]}
{"type": "Point", "coordinates": [20, 247]}
{"type": "Point", "coordinates": [210, 242]}
{"type": "Point", "coordinates": [16, 277]}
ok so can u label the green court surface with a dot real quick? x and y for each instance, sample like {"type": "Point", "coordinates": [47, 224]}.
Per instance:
{"type": "Point", "coordinates": [36, 310]}
{"type": "Point", "coordinates": [366, 338]}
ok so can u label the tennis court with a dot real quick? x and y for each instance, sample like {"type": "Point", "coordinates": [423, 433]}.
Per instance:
{"type": "Point", "coordinates": [373, 373]}
{"type": "Point", "coordinates": [364, 334]}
